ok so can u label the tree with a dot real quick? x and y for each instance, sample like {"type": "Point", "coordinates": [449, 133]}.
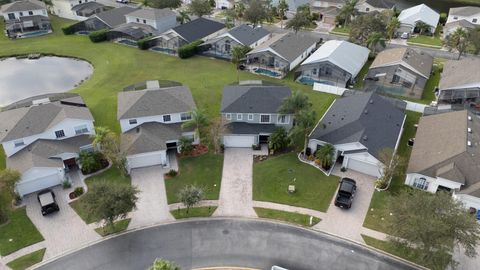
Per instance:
{"type": "Point", "coordinates": [297, 102]}
{"type": "Point", "coordinates": [278, 139]}
{"type": "Point", "coordinates": [347, 11]}
{"type": "Point", "coordinates": [217, 129]}
{"type": "Point", "coordinates": [8, 180]}
{"type": "Point", "coordinates": [256, 12]}
{"type": "Point", "coordinates": [199, 121]}
{"type": "Point", "coordinates": [374, 39]}
{"type": "Point", "coordinates": [109, 202]}
{"type": "Point", "coordinates": [183, 17]}
{"type": "Point", "coordinates": [422, 27]}
{"type": "Point", "coordinates": [458, 40]}
{"type": "Point", "coordinates": [392, 27]}
{"type": "Point", "coordinates": [238, 54]}
{"type": "Point", "coordinates": [366, 24]}
{"type": "Point", "coordinates": [239, 9]}
{"type": "Point", "coordinates": [326, 154]}
{"type": "Point", "coordinates": [430, 224]}
{"type": "Point", "coordinates": [390, 163]}
{"type": "Point", "coordinates": [190, 195]}
{"type": "Point", "coordinates": [110, 147]}
{"type": "Point", "coordinates": [160, 264]}
{"type": "Point", "coordinates": [171, 4]}
{"type": "Point", "coordinates": [282, 8]}
{"type": "Point", "coordinates": [186, 145]}
{"type": "Point", "coordinates": [200, 8]}
{"type": "Point", "coordinates": [298, 22]}
{"type": "Point", "coordinates": [304, 123]}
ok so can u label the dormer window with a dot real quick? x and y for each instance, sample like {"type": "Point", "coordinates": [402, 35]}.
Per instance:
{"type": "Point", "coordinates": [81, 129]}
{"type": "Point", "coordinates": [265, 118]}
{"type": "Point", "coordinates": [228, 116]}
{"type": "Point", "coordinates": [30, 13]}
{"type": "Point", "coordinates": [18, 143]}
{"type": "Point", "coordinates": [185, 116]}
{"type": "Point", "coordinates": [132, 121]}
{"type": "Point", "coordinates": [167, 118]}
{"type": "Point", "coordinates": [59, 134]}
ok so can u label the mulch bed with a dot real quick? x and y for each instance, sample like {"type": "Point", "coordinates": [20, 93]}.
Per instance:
{"type": "Point", "coordinates": [198, 150]}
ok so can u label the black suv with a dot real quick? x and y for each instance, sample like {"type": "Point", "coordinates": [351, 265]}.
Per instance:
{"type": "Point", "coordinates": [47, 201]}
{"type": "Point", "coordinates": [346, 192]}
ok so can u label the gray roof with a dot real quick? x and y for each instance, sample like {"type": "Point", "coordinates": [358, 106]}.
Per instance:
{"type": "Point", "coordinates": [247, 34]}
{"type": "Point", "coordinates": [23, 5]}
{"type": "Point", "coordinates": [458, 74]}
{"type": "Point", "coordinates": [198, 29]}
{"type": "Point", "coordinates": [463, 23]}
{"type": "Point", "coordinates": [381, 3]}
{"type": "Point", "coordinates": [248, 128]}
{"type": "Point", "coordinates": [152, 13]}
{"type": "Point", "coordinates": [45, 153]}
{"type": "Point", "coordinates": [464, 11]}
{"type": "Point", "coordinates": [114, 17]}
{"type": "Point", "coordinates": [22, 122]}
{"type": "Point", "coordinates": [90, 6]}
{"type": "Point", "coordinates": [418, 62]}
{"type": "Point", "coordinates": [134, 30]}
{"type": "Point", "coordinates": [152, 102]}
{"type": "Point", "coordinates": [367, 118]}
{"type": "Point", "coordinates": [253, 98]}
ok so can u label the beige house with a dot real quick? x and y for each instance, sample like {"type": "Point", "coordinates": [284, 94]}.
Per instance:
{"type": "Point", "coordinates": [460, 81]}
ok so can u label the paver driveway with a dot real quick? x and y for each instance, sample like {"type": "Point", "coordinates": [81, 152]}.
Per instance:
{"type": "Point", "coordinates": [152, 204]}
{"type": "Point", "coordinates": [236, 193]}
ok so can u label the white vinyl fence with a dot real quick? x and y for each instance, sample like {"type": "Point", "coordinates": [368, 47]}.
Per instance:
{"type": "Point", "coordinates": [330, 89]}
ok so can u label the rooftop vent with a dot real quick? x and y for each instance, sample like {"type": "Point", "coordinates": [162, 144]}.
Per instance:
{"type": "Point", "coordinates": [469, 118]}
{"type": "Point", "coordinates": [41, 101]}
{"type": "Point", "coordinates": [371, 101]}
{"type": "Point", "coordinates": [365, 112]}
{"type": "Point", "coordinates": [365, 138]}
{"type": "Point", "coordinates": [469, 143]}
{"type": "Point", "coordinates": [469, 130]}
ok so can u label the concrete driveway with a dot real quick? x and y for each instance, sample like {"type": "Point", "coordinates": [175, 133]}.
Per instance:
{"type": "Point", "coordinates": [236, 195]}
{"type": "Point", "coordinates": [348, 223]}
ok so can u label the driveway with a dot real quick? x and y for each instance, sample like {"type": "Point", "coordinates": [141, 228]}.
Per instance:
{"type": "Point", "coordinates": [348, 223]}
{"type": "Point", "coordinates": [236, 193]}
{"type": "Point", "coordinates": [63, 230]}
{"type": "Point", "coordinates": [152, 204]}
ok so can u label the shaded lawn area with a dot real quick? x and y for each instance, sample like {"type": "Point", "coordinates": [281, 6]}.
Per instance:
{"type": "Point", "coordinates": [344, 31]}
{"type": "Point", "coordinates": [296, 218]}
{"type": "Point", "coordinates": [205, 211]}
{"type": "Point", "coordinates": [28, 260]}
{"type": "Point", "coordinates": [361, 75]}
{"type": "Point", "coordinates": [111, 175]}
{"type": "Point", "coordinates": [271, 178]}
{"type": "Point", "coordinates": [204, 171]}
{"type": "Point", "coordinates": [20, 229]}
{"type": "Point", "coordinates": [118, 226]}
{"type": "Point", "coordinates": [428, 94]}
{"type": "Point", "coordinates": [378, 209]}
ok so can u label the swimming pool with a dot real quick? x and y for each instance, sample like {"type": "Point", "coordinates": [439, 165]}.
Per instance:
{"type": "Point", "coordinates": [34, 34]}
{"type": "Point", "coordinates": [267, 72]}
{"type": "Point", "coordinates": [310, 81]}
{"type": "Point", "coordinates": [128, 42]}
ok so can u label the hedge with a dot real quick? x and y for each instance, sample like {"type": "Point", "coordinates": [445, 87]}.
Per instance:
{"type": "Point", "coordinates": [69, 30]}
{"type": "Point", "coordinates": [189, 50]}
{"type": "Point", "coordinates": [98, 36]}
{"type": "Point", "coordinates": [146, 43]}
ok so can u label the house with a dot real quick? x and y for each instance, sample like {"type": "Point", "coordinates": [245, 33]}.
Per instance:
{"type": "Point", "coordinates": [87, 9]}
{"type": "Point", "coordinates": [250, 113]}
{"type": "Point", "coordinates": [460, 81]}
{"type": "Point", "coordinates": [77, 9]}
{"type": "Point", "coordinates": [293, 5]}
{"type": "Point", "coordinates": [160, 19]}
{"type": "Point", "coordinates": [104, 20]}
{"type": "Point", "coordinates": [421, 13]}
{"type": "Point", "coordinates": [151, 121]}
{"type": "Point", "coordinates": [242, 35]}
{"type": "Point", "coordinates": [42, 138]}
{"type": "Point", "coordinates": [403, 71]}
{"type": "Point", "coordinates": [328, 15]}
{"type": "Point", "coordinates": [466, 17]}
{"type": "Point", "coordinates": [224, 4]}
{"type": "Point", "coordinates": [315, 4]}
{"type": "Point", "coordinates": [359, 127]}
{"type": "Point", "coordinates": [446, 156]}
{"type": "Point", "coordinates": [280, 54]}
{"type": "Point", "coordinates": [365, 6]}
{"type": "Point", "coordinates": [335, 63]}
{"type": "Point", "coordinates": [26, 18]}
{"type": "Point", "coordinates": [198, 29]}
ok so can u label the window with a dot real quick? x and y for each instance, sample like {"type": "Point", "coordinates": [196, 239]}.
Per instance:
{"type": "Point", "coordinates": [420, 183]}
{"type": "Point", "coordinates": [314, 71]}
{"type": "Point", "coordinates": [395, 79]}
{"type": "Point", "coordinates": [132, 121]}
{"type": "Point", "coordinates": [11, 16]}
{"type": "Point", "coordinates": [474, 20]}
{"type": "Point", "coordinates": [282, 119]}
{"type": "Point", "coordinates": [250, 117]}
{"type": "Point", "coordinates": [138, 20]}
{"type": "Point", "coordinates": [239, 116]}
{"type": "Point", "coordinates": [227, 46]}
{"type": "Point", "coordinates": [145, 21]}
{"type": "Point", "coordinates": [265, 118]}
{"type": "Point", "coordinates": [455, 18]}
{"type": "Point", "coordinates": [81, 129]}
{"type": "Point", "coordinates": [367, 9]}
{"type": "Point", "coordinates": [167, 118]}
{"type": "Point", "coordinates": [228, 116]}
{"type": "Point", "coordinates": [18, 143]}
{"type": "Point", "coordinates": [21, 13]}
{"type": "Point", "coordinates": [59, 133]}
{"type": "Point", "coordinates": [30, 13]}
{"type": "Point", "coordinates": [186, 116]}
{"type": "Point", "coordinates": [328, 71]}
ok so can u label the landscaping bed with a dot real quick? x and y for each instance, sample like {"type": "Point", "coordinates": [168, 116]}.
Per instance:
{"type": "Point", "coordinates": [118, 226]}
{"type": "Point", "coordinates": [205, 211]}
{"type": "Point", "coordinates": [296, 218]}
{"type": "Point", "coordinates": [28, 260]}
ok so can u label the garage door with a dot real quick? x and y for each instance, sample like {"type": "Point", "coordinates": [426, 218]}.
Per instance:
{"type": "Point", "coordinates": [363, 167]}
{"type": "Point", "coordinates": [38, 184]}
{"type": "Point", "coordinates": [238, 141]}
{"type": "Point", "coordinates": [147, 159]}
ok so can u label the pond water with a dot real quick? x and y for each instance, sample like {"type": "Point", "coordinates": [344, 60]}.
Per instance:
{"type": "Point", "coordinates": [23, 78]}
{"type": "Point", "coordinates": [438, 5]}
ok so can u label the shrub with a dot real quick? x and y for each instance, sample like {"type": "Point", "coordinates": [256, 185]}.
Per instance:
{"type": "Point", "coordinates": [279, 139]}
{"type": "Point", "coordinates": [186, 145]}
{"type": "Point", "coordinates": [92, 162]}
{"type": "Point", "coordinates": [317, 162]}
{"type": "Point", "coordinates": [98, 36]}
{"type": "Point", "coordinates": [443, 18]}
{"type": "Point", "coordinates": [189, 50]}
{"type": "Point", "coordinates": [78, 191]}
{"type": "Point", "coordinates": [68, 30]}
{"type": "Point", "coordinates": [311, 157]}
{"type": "Point", "coordinates": [145, 43]}
{"type": "Point", "coordinates": [343, 169]}
{"type": "Point", "coordinates": [315, 16]}
{"type": "Point", "coordinates": [172, 173]}
{"type": "Point", "coordinates": [66, 184]}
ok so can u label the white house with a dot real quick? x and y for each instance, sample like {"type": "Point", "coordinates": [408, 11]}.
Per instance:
{"type": "Point", "coordinates": [23, 8]}
{"type": "Point", "coordinates": [24, 17]}
{"type": "Point", "coordinates": [366, 6]}
{"type": "Point", "coordinates": [76, 9]}
{"type": "Point", "coordinates": [224, 4]}
{"type": "Point", "coordinates": [327, 3]}
{"type": "Point", "coordinates": [160, 19]}
{"type": "Point", "coordinates": [466, 17]}
{"type": "Point", "coordinates": [410, 16]}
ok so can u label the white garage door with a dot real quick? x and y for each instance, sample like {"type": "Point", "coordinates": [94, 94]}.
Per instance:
{"type": "Point", "coordinates": [363, 167]}
{"type": "Point", "coordinates": [147, 159]}
{"type": "Point", "coordinates": [38, 184]}
{"type": "Point", "coordinates": [238, 141]}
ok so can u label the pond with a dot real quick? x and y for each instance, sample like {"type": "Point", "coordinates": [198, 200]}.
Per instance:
{"type": "Point", "coordinates": [23, 78]}
{"type": "Point", "coordinates": [438, 5]}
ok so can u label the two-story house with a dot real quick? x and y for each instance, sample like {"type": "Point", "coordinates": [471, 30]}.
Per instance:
{"type": "Point", "coordinates": [105, 20]}
{"type": "Point", "coordinates": [43, 136]}
{"type": "Point", "coordinates": [151, 123]}
{"type": "Point", "coordinates": [160, 19]}
{"type": "Point", "coordinates": [250, 113]}
{"type": "Point", "coordinates": [26, 18]}
{"type": "Point", "coordinates": [465, 17]}
{"type": "Point", "coordinates": [77, 9]}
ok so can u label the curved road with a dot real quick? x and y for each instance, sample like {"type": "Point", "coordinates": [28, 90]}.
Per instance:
{"type": "Point", "coordinates": [226, 242]}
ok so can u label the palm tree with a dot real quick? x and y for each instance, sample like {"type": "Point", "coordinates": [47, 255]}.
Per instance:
{"type": "Point", "coordinates": [421, 27]}
{"type": "Point", "coordinates": [374, 39]}
{"type": "Point", "coordinates": [239, 9]}
{"type": "Point", "coordinates": [198, 121]}
{"type": "Point", "coordinates": [183, 17]}
{"type": "Point", "coordinates": [326, 154]}
{"type": "Point", "coordinates": [458, 40]}
{"type": "Point", "coordinates": [101, 135]}
{"type": "Point", "coordinates": [160, 264]}
{"type": "Point", "coordinates": [347, 11]}
{"type": "Point", "coordinates": [294, 104]}
{"type": "Point", "coordinates": [238, 54]}
{"type": "Point", "coordinates": [282, 8]}
{"type": "Point", "coordinates": [304, 123]}
{"type": "Point", "coordinates": [392, 26]}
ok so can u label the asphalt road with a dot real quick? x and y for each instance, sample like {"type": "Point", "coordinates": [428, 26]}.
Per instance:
{"type": "Point", "coordinates": [226, 242]}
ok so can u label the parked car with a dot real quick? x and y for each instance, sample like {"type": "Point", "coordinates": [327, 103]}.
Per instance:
{"type": "Point", "coordinates": [404, 35]}
{"type": "Point", "coordinates": [122, 1]}
{"type": "Point", "coordinates": [278, 268]}
{"type": "Point", "coordinates": [47, 201]}
{"type": "Point", "coordinates": [346, 192]}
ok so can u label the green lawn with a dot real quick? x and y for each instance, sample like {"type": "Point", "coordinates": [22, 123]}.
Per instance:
{"type": "Point", "coordinates": [2, 159]}
{"type": "Point", "coordinates": [118, 226]}
{"type": "Point", "coordinates": [28, 260]}
{"type": "Point", "coordinates": [205, 211]}
{"type": "Point", "coordinates": [271, 178]}
{"type": "Point", "coordinates": [361, 75]}
{"type": "Point", "coordinates": [20, 230]}
{"type": "Point", "coordinates": [428, 94]}
{"type": "Point", "coordinates": [344, 31]}
{"type": "Point", "coordinates": [428, 41]}
{"type": "Point", "coordinates": [378, 211]}
{"type": "Point", "coordinates": [111, 175]}
{"type": "Point", "coordinates": [204, 171]}
{"type": "Point", "coordinates": [296, 218]}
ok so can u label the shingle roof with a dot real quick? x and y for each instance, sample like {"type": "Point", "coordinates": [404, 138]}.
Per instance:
{"type": "Point", "coordinates": [464, 11]}
{"type": "Point", "coordinates": [247, 128]}
{"type": "Point", "coordinates": [419, 13]}
{"type": "Point", "coordinates": [381, 3]}
{"type": "Point", "coordinates": [152, 102]}
{"type": "Point", "coordinates": [115, 17]}
{"type": "Point", "coordinates": [367, 118]}
{"type": "Point", "coordinates": [463, 23]}
{"type": "Point", "coordinates": [198, 29]}
{"type": "Point", "coordinates": [248, 35]}
{"type": "Point", "coordinates": [253, 98]}
{"type": "Point", "coordinates": [134, 30]}
{"type": "Point", "coordinates": [460, 74]}
{"type": "Point", "coordinates": [87, 6]}
{"type": "Point", "coordinates": [420, 62]}
{"type": "Point", "coordinates": [23, 5]}
{"type": "Point", "coordinates": [152, 13]}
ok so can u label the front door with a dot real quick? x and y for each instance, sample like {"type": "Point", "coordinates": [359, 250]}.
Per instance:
{"type": "Point", "coordinates": [263, 138]}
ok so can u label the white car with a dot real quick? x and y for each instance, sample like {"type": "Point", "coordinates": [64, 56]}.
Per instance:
{"type": "Point", "coordinates": [278, 268]}
{"type": "Point", "coordinates": [404, 35]}
{"type": "Point", "coordinates": [122, 1]}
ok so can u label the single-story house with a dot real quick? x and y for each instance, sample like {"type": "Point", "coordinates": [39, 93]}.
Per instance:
{"type": "Point", "coordinates": [105, 20]}
{"type": "Point", "coordinates": [250, 113]}
{"type": "Point", "coordinates": [336, 63]}
{"type": "Point", "coordinates": [25, 18]}
{"type": "Point", "coordinates": [460, 81]}
{"type": "Point", "coordinates": [421, 13]}
{"type": "Point", "coordinates": [446, 156]}
{"type": "Point", "coordinates": [401, 71]}
{"type": "Point", "coordinates": [242, 35]}
{"type": "Point", "coordinates": [129, 33]}
{"type": "Point", "coordinates": [359, 127]}
{"type": "Point", "coordinates": [280, 54]}
{"type": "Point", "coordinates": [466, 17]}
{"type": "Point", "coordinates": [365, 6]}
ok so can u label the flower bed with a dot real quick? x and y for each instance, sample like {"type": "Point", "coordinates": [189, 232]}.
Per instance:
{"type": "Point", "coordinates": [302, 158]}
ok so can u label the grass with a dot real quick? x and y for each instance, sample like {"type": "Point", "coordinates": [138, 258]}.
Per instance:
{"type": "Point", "coordinates": [20, 229]}
{"type": "Point", "coordinates": [428, 41]}
{"type": "Point", "coordinates": [118, 226]}
{"type": "Point", "coordinates": [428, 94]}
{"type": "Point", "coordinates": [204, 171]}
{"type": "Point", "coordinates": [3, 163]}
{"type": "Point", "coordinates": [343, 31]}
{"type": "Point", "coordinates": [28, 260]}
{"type": "Point", "coordinates": [378, 213]}
{"type": "Point", "coordinates": [206, 211]}
{"type": "Point", "coordinates": [111, 175]}
{"type": "Point", "coordinates": [361, 75]}
{"type": "Point", "coordinates": [296, 218]}
{"type": "Point", "coordinates": [271, 178]}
